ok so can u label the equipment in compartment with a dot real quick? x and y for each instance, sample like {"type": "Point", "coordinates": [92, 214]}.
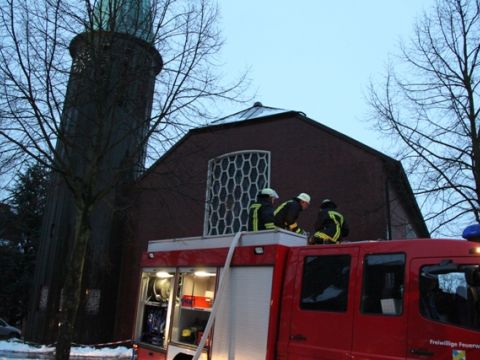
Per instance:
{"type": "Point", "coordinates": [161, 289]}
{"type": "Point", "coordinates": [196, 301]}
{"type": "Point", "coordinates": [196, 289]}
{"type": "Point", "coordinates": [156, 310]}
{"type": "Point", "coordinates": [194, 332]}
{"type": "Point", "coordinates": [155, 320]}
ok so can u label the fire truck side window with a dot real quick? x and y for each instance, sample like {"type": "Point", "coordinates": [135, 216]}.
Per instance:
{"type": "Point", "coordinates": [383, 281]}
{"type": "Point", "coordinates": [450, 293]}
{"type": "Point", "coordinates": [325, 283]}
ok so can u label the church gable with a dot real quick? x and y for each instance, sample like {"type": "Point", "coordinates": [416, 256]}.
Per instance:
{"type": "Point", "coordinates": [212, 176]}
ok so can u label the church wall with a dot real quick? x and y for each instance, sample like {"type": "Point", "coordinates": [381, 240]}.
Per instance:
{"type": "Point", "coordinates": [169, 201]}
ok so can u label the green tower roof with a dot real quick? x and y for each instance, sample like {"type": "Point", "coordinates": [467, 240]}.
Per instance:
{"type": "Point", "coordinates": [133, 17]}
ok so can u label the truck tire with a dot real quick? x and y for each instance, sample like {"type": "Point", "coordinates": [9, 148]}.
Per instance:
{"type": "Point", "coordinates": [183, 356]}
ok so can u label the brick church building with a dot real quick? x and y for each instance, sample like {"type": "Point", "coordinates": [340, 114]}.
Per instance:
{"type": "Point", "coordinates": [204, 184]}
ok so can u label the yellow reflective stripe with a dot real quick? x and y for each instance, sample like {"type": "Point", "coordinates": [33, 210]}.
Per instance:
{"type": "Point", "coordinates": [255, 208]}
{"type": "Point", "coordinates": [323, 236]}
{"type": "Point", "coordinates": [279, 208]}
{"type": "Point", "coordinates": [270, 225]}
{"type": "Point", "coordinates": [338, 220]}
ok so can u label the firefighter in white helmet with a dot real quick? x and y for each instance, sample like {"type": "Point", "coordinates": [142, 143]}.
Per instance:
{"type": "Point", "coordinates": [260, 216]}
{"type": "Point", "coordinates": [286, 214]}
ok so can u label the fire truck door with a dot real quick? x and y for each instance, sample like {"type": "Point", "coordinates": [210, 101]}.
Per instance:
{"type": "Point", "coordinates": [322, 310]}
{"type": "Point", "coordinates": [380, 324]}
{"type": "Point", "coordinates": [444, 309]}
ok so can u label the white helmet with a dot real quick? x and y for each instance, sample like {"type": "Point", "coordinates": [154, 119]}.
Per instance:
{"type": "Point", "coordinates": [269, 192]}
{"type": "Point", "coordinates": [304, 197]}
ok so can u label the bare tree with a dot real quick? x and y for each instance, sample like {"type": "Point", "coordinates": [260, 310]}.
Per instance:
{"type": "Point", "coordinates": [428, 104]}
{"type": "Point", "coordinates": [76, 118]}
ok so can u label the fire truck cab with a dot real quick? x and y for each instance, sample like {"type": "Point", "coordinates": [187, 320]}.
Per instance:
{"type": "Point", "coordinates": [269, 295]}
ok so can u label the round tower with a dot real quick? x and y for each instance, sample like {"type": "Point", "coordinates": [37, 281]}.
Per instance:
{"type": "Point", "coordinates": [103, 132]}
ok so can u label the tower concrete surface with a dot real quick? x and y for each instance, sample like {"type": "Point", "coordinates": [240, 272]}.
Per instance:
{"type": "Point", "coordinates": [102, 136]}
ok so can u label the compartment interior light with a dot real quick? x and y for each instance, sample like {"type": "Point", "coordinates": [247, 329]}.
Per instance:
{"type": "Point", "coordinates": [202, 273]}
{"type": "Point", "coordinates": [163, 275]}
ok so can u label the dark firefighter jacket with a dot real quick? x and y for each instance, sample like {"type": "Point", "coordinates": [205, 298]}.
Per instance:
{"type": "Point", "coordinates": [260, 216]}
{"type": "Point", "coordinates": [286, 215]}
{"type": "Point", "coordinates": [330, 226]}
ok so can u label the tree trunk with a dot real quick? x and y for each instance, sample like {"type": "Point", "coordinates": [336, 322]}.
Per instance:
{"type": "Point", "coordinates": [73, 282]}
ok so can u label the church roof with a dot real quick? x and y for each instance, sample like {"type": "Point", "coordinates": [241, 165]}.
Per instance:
{"type": "Point", "coordinates": [254, 112]}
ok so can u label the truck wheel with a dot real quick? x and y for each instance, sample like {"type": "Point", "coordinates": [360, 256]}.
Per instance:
{"type": "Point", "coordinates": [183, 356]}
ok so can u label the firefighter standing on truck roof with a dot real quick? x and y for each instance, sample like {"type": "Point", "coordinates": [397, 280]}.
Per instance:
{"type": "Point", "coordinates": [330, 226]}
{"type": "Point", "coordinates": [286, 214]}
{"type": "Point", "coordinates": [260, 216]}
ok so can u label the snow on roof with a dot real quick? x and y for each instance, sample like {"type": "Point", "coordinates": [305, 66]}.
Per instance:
{"type": "Point", "coordinates": [254, 112]}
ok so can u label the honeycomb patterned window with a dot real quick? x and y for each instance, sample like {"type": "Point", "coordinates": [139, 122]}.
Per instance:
{"type": "Point", "coordinates": [234, 180]}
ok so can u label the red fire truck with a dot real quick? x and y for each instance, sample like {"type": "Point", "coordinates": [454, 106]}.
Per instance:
{"type": "Point", "coordinates": [269, 295]}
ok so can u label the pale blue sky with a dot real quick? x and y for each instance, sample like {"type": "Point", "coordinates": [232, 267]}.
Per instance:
{"type": "Point", "coordinates": [317, 56]}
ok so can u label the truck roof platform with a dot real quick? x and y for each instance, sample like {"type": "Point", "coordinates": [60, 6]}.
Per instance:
{"type": "Point", "coordinates": [257, 238]}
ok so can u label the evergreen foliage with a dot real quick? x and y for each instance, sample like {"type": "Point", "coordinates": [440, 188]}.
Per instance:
{"type": "Point", "coordinates": [20, 224]}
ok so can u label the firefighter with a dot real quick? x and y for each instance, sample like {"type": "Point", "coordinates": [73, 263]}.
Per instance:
{"type": "Point", "coordinates": [260, 216]}
{"type": "Point", "coordinates": [330, 226]}
{"type": "Point", "coordinates": [286, 214]}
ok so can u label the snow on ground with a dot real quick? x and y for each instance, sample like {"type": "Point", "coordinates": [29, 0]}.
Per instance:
{"type": "Point", "coordinates": [17, 349]}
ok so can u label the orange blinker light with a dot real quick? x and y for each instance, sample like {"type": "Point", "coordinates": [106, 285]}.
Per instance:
{"type": "Point", "coordinates": [474, 251]}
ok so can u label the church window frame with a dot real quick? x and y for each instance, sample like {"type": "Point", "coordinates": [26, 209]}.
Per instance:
{"type": "Point", "coordinates": [233, 182]}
